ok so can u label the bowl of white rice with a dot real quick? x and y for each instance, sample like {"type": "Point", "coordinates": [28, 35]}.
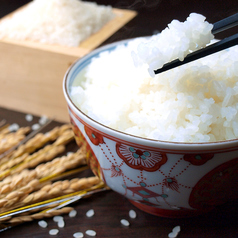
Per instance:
{"type": "Point", "coordinates": [167, 142]}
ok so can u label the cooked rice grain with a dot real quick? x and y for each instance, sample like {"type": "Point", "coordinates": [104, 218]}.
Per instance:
{"type": "Point", "coordinates": [197, 102]}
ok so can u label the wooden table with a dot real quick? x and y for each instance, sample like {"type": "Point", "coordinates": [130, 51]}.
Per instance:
{"type": "Point", "coordinates": [109, 206]}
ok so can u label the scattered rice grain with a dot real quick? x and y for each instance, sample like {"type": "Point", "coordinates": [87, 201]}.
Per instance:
{"type": "Point", "coordinates": [90, 213]}
{"type": "Point", "coordinates": [124, 222]}
{"type": "Point", "coordinates": [57, 218]}
{"type": "Point", "coordinates": [78, 235]}
{"type": "Point", "coordinates": [53, 232]}
{"type": "Point", "coordinates": [13, 127]}
{"type": "Point", "coordinates": [177, 229]}
{"type": "Point", "coordinates": [91, 233]}
{"type": "Point", "coordinates": [132, 214]}
{"type": "Point", "coordinates": [43, 120]}
{"type": "Point", "coordinates": [29, 117]}
{"type": "Point", "coordinates": [172, 234]}
{"type": "Point", "coordinates": [61, 223]}
{"type": "Point", "coordinates": [35, 127]}
{"type": "Point", "coordinates": [42, 224]}
{"type": "Point", "coordinates": [73, 213]}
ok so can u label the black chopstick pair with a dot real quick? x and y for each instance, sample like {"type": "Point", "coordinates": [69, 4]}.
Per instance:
{"type": "Point", "coordinates": [211, 49]}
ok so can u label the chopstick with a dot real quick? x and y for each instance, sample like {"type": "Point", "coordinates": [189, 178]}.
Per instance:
{"type": "Point", "coordinates": [211, 49]}
{"type": "Point", "coordinates": [225, 24]}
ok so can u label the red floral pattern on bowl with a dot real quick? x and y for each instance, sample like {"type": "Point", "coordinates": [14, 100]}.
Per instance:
{"type": "Point", "coordinates": [138, 158]}
{"type": "Point", "coordinates": [94, 136]}
{"type": "Point", "coordinates": [198, 159]}
{"type": "Point", "coordinates": [156, 181]}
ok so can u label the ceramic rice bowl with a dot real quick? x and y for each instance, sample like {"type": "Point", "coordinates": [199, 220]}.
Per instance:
{"type": "Point", "coordinates": [167, 179]}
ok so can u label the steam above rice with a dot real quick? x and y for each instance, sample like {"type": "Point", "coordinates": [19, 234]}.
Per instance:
{"type": "Point", "coordinates": [62, 22]}
{"type": "Point", "coordinates": [196, 102]}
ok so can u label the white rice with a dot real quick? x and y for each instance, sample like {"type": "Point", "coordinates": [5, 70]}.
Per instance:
{"type": "Point", "coordinates": [29, 117]}
{"type": "Point", "coordinates": [90, 213]}
{"type": "Point", "coordinates": [172, 235]}
{"type": "Point", "coordinates": [90, 233]}
{"type": "Point", "coordinates": [42, 223]}
{"type": "Point", "coordinates": [174, 232]}
{"type": "Point", "coordinates": [78, 235]}
{"type": "Point", "coordinates": [124, 222]}
{"type": "Point", "coordinates": [57, 218]}
{"type": "Point", "coordinates": [53, 232]}
{"type": "Point", "coordinates": [73, 213]}
{"type": "Point", "coordinates": [132, 214]}
{"type": "Point", "coordinates": [61, 22]}
{"type": "Point", "coordinates": [13, 127]}
{"type": "Point", "coordinates": [196, 102]}
{"type": "Point", "coordinates": [43, 120]}
{"type": "Point", "coordinates": [178, 40]}
{"type": "Point", "coordinates": [61, 223]}
{"type": "Point", "coordinates": [35, 127]}
{"type": "Point", "coordinates": [177, 229]}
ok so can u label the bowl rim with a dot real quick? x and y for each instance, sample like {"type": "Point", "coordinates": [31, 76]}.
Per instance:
{"type": "Point", "coordinates": [224, 143]}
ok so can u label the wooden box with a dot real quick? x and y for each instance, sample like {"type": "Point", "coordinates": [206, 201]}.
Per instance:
{"type": "Point", "coordinates": [31, 74]}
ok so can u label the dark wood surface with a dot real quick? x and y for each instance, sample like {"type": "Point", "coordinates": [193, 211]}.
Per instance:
{"type": "Point", "coordinates": [109, 206]}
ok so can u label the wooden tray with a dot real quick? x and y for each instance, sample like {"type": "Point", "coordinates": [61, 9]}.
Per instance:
{"type": "Point", "coordinates": [31, 73]}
